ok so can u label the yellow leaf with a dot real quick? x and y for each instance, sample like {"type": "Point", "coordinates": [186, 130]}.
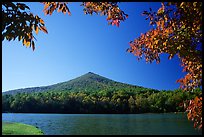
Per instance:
{"type": "Point", "coordinates": [24, 41]}
{"type": "Point", "coordinates": [179, 47]}
{"type": "Point", "coordinates": [41, 21]}
{"type": "Point", "coordinates": [164, 43]}
{"type": "Point", "coordinates": [27, 44]}
{"type": "Point", "coordinates": [156, 41]}
{"type": "Point", "coordinates": [181, 5]}
{"type": "Point", "coordinates": [36, 30]}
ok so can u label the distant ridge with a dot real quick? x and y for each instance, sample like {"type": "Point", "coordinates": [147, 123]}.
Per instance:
{"type": "Point", "coordinates": [88, 82]}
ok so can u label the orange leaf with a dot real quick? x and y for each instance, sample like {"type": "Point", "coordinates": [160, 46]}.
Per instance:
{"type": "Point", "coordinates": [41, 21]}
{"type": "Point", "coordinates": [43, 28]}
{"type": "Point", "coordinates": [46, 5]}
{"type": "Point", "coordinates": [36, 30]}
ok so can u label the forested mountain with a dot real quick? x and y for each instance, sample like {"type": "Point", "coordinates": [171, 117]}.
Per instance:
{"type": "Point", "coordinates": [88, 82]}
{"type": "Point", "coordinates": [92, 93]}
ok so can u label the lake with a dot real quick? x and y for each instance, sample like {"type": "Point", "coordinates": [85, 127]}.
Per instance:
{"type": "Point", "coordinates": [107, 124]}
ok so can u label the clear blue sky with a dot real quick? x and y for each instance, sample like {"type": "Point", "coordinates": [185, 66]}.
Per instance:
{"type": "Point", "coordinates": [81, 43]}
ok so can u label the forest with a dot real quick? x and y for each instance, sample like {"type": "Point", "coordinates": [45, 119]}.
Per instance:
{"type": "Point", "coordinates": [98, 102]}
{"type": "Point", "coordinates": [176, 30]}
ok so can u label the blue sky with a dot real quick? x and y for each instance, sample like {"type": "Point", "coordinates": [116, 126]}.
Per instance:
{"type": "Point", "coordinates": [81, 43]}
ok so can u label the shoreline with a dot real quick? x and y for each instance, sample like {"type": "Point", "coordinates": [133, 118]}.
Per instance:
{"type": "Point", "coordinates": [16, 128]}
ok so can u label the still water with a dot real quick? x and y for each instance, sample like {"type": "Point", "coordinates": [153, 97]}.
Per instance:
{"type": "Point", "coordinates": [107, 124]}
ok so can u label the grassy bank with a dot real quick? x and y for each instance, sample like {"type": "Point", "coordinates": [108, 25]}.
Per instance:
{"type": "Point", "coordinates": [9, 128]}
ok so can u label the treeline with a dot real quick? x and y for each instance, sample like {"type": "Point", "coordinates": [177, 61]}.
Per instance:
{"type": "Point", "coordinates": [104, 101]}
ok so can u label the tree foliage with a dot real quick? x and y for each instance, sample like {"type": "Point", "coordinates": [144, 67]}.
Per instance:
{"type": "Point", "coordinates": [195, 111]}
{"type": "Point", "coordinates": [177, 30]}
{"type": "Point", "coordinates": [98, 101]}
{"type": "Point", "coordinates": [110, 9]}
{"type": "Point", "coordinates": [18, 22]}
{"type": "Point", "coordinates": [49, 7]}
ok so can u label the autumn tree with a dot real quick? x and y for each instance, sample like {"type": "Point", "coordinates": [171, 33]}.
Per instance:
{"type": "Point", "coordinates": [177, 30]}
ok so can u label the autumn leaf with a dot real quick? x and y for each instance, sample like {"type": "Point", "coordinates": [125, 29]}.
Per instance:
{"type": "Point", "coordinates": [36, 29]}
{"type": "Point", "coordinates": [43, 28]}
{"type": "Point", "coordinates": [42, 22]}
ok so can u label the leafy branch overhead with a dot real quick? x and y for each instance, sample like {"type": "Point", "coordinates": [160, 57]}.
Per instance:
{"type": "Point", "coordinates": [49, 7]}
{"type": "Point", "coordinates": [17, 22]}
{"type": "Point", "coordinates": [110, 9]}
{"type": "Point", "coordinates": [114, 14]}
{"type": "Point", "coordinates": [177, 32]}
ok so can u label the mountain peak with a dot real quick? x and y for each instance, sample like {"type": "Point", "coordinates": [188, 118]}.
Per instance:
{"type": "Point", "coordinates": [90, 76]}
{"type": "Point", "coordinates": [87, 82]}
{"type": "Point", "coordinates": [90, 73]}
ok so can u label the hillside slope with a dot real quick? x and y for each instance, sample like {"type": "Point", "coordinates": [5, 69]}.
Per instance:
{"type": "Point", "coordinates": [88, 82]}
